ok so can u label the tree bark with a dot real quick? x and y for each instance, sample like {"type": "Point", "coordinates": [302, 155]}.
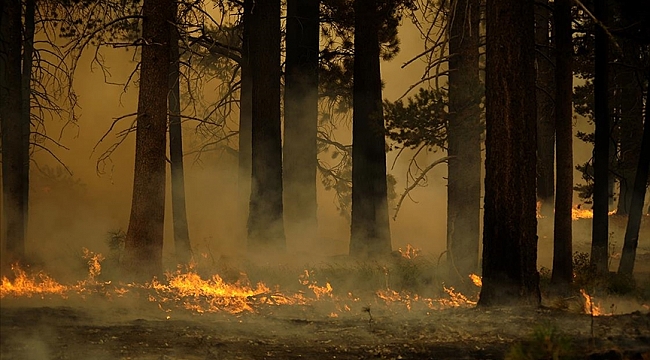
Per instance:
{"type": "Point", "coordinates": [626, 266]}
{"type": "Point", "coordinates": [509, 233]}
{"type": "Point", "coordinates": [13, 157]}
{"type": "Point", "coordinates": [179, 211]}
{"type": "Point", "coordinates": [545, 109]}
{"type": "Point", "coordinates": [464, 139]}
{"type": "Point", "coordinates": [265, 219]}
{"type": "Point", "coordinates": [301, 120]}
{"type": "Point", "coordinates": [562, 274]}
{"type": "Point", "coordinates": [600, 232]}
{"type": "Point", "coordinates": [370, 229]}
{"type": "Point", "coordinates": [144, 238]}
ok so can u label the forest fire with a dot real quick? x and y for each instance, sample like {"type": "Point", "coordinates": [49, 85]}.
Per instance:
{"type": "Point", "coordinates": [187, 290]}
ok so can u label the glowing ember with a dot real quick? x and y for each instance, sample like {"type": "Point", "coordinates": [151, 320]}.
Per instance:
{"type": "Point", "coordinates": [476, 280]}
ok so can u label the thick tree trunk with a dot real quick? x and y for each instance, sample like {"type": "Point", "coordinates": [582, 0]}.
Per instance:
{"type": "Point", "coordinates": [265, 219]}
{"type": "Point", "coordinates": [626, 266]}
{"type": "Point", "coordinates": [562, 274]}
{"type": "Point", "coordinates": [301, 121]}
{"type": "Point", "coordinates": [464, 139]}
{"type": "Point", "coordinates": [144, 238]}
{"type": "Point", "coordinates": [600, 232]}
{"type": "Point", "coordinates": [370, 229]}
{"type": "Point", "coordinates": [28, 51]}
{"type": "Point", "coordinates": [13, 157]}
{"type": "Point", "coordinates": [545, 109]}
{"type": "Point", "coordinates": [509, 233]}
{"type": "Point", "coordinates": [179, 211]}
{"type": "Point", "coordinates": [245, 120]}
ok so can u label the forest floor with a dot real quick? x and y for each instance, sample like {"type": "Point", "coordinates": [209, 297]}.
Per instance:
{"type": "Point", "coordinates": [66, 332]}
{"type": "Point", "coordinates": [97, 319]}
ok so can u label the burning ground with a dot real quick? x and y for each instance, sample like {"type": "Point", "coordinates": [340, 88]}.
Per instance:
{"type": "Point", "coordinates": [400, 309]}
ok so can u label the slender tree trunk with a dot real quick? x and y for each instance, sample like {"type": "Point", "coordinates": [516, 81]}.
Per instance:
{"type": "Point", "coordinates": [370, 229]}
{"type": "Point", "coordinates": [13, 164]}
{"type": "Point", "coordinates": [545, 109]}
{"type": "Point", "coordinates": [600, 232]}
{"type": "Point", "coordinates": [301, 119]}
{"type": "Point", "coordinates": [626, 266]}
{"type": "Point", "coordinates": [144, 238]}
{"type": "Point", "coordinates": [562, 274]}
{"type": "Point", "coordinates": [265, 219]}
{"type": "Point", "coordinates": [28, 51]}
{"type": "Point", "coordinates": [509, 233]}
{"type": "Point", "coordinates": [179, 212]}
{"type": "Point", "coordinates": [464, 139]}
{"type": "Point", "coordinates": [631, 123]}
{"type": "Point", "coordinates": [245, 119]}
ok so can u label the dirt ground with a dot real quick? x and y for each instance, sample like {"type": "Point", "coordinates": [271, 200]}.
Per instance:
{"type": "Point", "coordinates": [90, 331]}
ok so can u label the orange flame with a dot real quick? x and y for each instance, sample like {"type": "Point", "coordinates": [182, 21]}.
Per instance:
{"type": "Point", "coordinates": [590, 307]}
{"type": "Point", "coordinates": [477, 280]}
{"type": "Point", "coordinates": [410, 252]}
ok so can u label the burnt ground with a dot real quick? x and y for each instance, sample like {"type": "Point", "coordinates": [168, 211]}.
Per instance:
{"type": "Point", "coordinates": [299, 332]}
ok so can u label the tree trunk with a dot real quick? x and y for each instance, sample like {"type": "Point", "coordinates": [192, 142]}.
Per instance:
{"type": "Point", "coordinates": [600, 232]}
{"type": "Point", "coordinates": [370, 229]}
{"type": "Point", "coordinates": [13, 157]}
{"type": "Point", "coordinates": [179, 212]}
{"type": "Point", "coordinates": [464, 139]}
{"type": "Point", "coordinates": [245, 119]}
{"type": "Point", "coordinates": [144, 238]}
{"type": "Point", "coordinates": [562, 274]}
{"type": "Point", "coordinates": [631, 122]}
{"type": "Point", "coordinates": [509, 233]}
{"type": "Point", "coordinates": [301, 120]}
{"type": "Point", "coordinates": [28, 51]}
{"type": "Point", "coordinates": [265, 222]}
{"type": "Point", "coordinates": [545, 109]}
{"type": "Point", "coordinates": [631, 241]}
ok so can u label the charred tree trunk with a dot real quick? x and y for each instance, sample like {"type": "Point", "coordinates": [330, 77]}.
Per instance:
{"type": "Point", "coordinates": [464, 139]}
{"type": "Point", "coordinates": [265, 222]}
{"type": "Point", "coordinates": [562, 274]}
{"type": "Point", "coordinates": [13, 157]}
{"type": "Point", "coordinates": [28, 51]}
{"type": "Point", "coordinates": [626, 266]}
{"type": "Point", "coordinates": [301, 119]}
{"type": "Point", "coordinates": [600, 232]}
{"type": "Point", "coordinates": [545, 109]}
{"type": "Point", "coordinates": [245, 118]}
{"type": "Point", "coordinates": [509, 233]}
{"type": "Point", "coordinates": [370, 229]}
{"type": "Point", "coordinates": [144, 238]}
{"type": "Point", "coordinates": [179, 211]}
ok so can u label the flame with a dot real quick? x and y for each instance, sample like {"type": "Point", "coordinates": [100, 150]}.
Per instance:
{"type": "Point", "coordinates": [185, 289]}
{"type": "Point", "coordinates": [477, 280]}
{"type": "Point", "coordinates": [410, 252]}
{"type": "Point", "coordinates": [579, 213]}
{"type": "Point", "coordinates": [590, 307]}
{"type": "Point", "coordinates": [39, 284]}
